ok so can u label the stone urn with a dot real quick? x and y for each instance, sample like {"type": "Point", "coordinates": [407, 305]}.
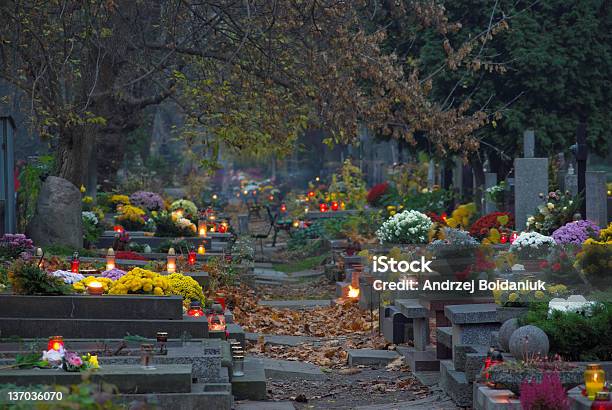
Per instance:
{"type": "Point", "coordinates": [511, 379]}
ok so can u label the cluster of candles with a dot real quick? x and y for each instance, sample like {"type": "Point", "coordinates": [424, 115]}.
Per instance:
{"type": "Point", "coordinates": [505, 238]}
{"type": "Point", "coordinates": [214, 316]}
{"type": "Point", "coordinates": [334, 206]}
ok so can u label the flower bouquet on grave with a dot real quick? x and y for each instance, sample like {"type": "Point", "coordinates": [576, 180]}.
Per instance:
{"type": "Point", "coordinates": [72, 362]}
{"type": "Point", "coordinates": [531, 248]}
{"type": "Point", "coordinates": [455, 254]}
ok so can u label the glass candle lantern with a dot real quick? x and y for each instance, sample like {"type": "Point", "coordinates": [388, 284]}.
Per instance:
{"type": "Point", "coordinates": [195, 309]}
{"type": "Point", "coordinates": [146, 356]}
{"type": "Point", "coordinates": [513, 237]}
{"type": "Point", "coordinates": [202, 229]}
{"type": "Point", "coordinates": [594, 380]}
{"type": "Point", "coordinates": [55, 343]}
{"type": "Point", "coordinates": [95, 288]}
{"type": "Point", "coordinates": [118, 228]}
{"type": "Point", "coordinates": [75, 263]}
{"type": "Point", "coordinates": [40, 256]}
{"type": "Point", "coordinates": [171, 263]}
{"type": "Point", "coordinates": [201, 249]}
{"type": "Point", "coordinates": [191, 257]}
{"type": "Point", "coordinates": [283, 208]}
{"type": "Point", "coordinates": [323, 207]}
{"type": "Point", "coordinates": [503, 238]}
{"type": "Point", "coordinates": [216, 318]}
{"type": "Point", "coordinates": [335, 206]}
{"type": "Point", "coordinates": [110, 259]}
{"type": "Point", "coordinates": [223, 227]}
{"type": "Point", "coordinates": [342, 206]}
{"type": "Point", "coordinates": [602, 401]}
{"type": "Point", "coordinates": [162, 341]}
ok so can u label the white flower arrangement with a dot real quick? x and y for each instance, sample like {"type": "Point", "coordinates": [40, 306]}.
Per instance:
{"type": "Point", "coordinates": [574, 304]}
{"type": "Point", "coordinates": [405, 227]}
{"type": "Point", "coordinates": [68, 277]}
{"type": "Point", "coordinates": [91, 217]}
{"type": "Point", "coordinates": [185, 223]}
{"type": "Point", "coordinates": [532, 244]}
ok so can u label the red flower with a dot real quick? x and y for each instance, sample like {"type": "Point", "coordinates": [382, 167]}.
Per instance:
{"type": "Point", "coordinates": [376, 192]}
{"type": "Point", "coordinates": [556, 267]}
{"type": "Point", "coordinates": [129, 255]}
{"type": "Point", "coordinates": [543, 265]}
{"type": "Point", "coordinates": [483, 225]}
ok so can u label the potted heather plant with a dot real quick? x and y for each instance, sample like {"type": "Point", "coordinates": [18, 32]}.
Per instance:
{"type": "Point", "coordinates": [548, 394]}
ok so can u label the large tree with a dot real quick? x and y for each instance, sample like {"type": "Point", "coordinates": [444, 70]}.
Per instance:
{"type": "Point", "coordinates": [554, 58]}
{"type": "Point", "coordinates": [248, 74]}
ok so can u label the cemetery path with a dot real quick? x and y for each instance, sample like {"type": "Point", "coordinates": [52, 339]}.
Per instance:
{"type": "Point", "coordinates": [322, 335]}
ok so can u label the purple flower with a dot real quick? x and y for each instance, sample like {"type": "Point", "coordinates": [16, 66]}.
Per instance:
{"type": "Point", "coordinates": [576, 232]}
{"type": "Point", "coordinates": [73, 359]}
{"type": "Point", "coordinates": [113, 274]}
{"type": "Point", "coordinates": [14, 245]}
{"type": "Point", "coordinates": [148, 200]}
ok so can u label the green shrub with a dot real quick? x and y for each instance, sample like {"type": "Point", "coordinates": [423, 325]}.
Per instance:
{"type": "Point", "coordinates": [572, 335]}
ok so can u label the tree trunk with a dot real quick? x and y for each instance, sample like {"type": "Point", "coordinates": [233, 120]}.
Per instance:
{"type": "Point", "coordinates": [73, 154]}
{"type": "Point", "coordinates": [479, 179]}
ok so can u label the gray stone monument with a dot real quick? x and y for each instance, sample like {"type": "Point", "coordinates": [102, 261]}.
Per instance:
{"type": "Point", "coordinates": [596, 197]}
{"type": "Point", "coordinates": [8, 222]}
{"type": "Point", "coordinates": [571, 181]}
{"type": "Point", "coordinates": [243, 224]}
{"type": "Point", "coordinates": [490, 181]}
{"type": "Point", "coordinates": [528, 144]}
{"type": "Point", "coordinates": [530, 180]}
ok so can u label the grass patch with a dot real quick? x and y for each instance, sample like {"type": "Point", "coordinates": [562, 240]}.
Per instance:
{"type": "Point", "coordinates": [308, 263]}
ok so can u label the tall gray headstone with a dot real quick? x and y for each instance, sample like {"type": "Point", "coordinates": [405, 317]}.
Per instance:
{"type": "Point", "coordinates": [596, 197]}
{"type": "Point", "coordinates": [431, 174]}
{"type": "Point", "coordinates": [530, 179]}
{"type": "Point", "coordinates": [571, 181]}
{"type": "Point", "coordinates": [490, 181]}
{"type": "Point", "coordinates": [528, 144]}
{"type": "Point", "coordinates": [7, 175]}
{"type": "Point", "coordinates": [243, 224]}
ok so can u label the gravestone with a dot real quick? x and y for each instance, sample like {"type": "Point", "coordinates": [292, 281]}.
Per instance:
{"type": "Point", "coordinates": [531, 179]}
{"type": "Point", "coordinates": [529, 144]}
{"type": "Point", "coordinates": [8, 221]}
{"type": "Point", "coordinates": [243, 224]}
{"type": "Point", "coordinates": [596, 197]}
{"type": "Point", "coordinates": [571, 181]}
{"type": "Point", "coordinates": [58, 215]}
{"type": "Point", "coordinates": [490, 181]}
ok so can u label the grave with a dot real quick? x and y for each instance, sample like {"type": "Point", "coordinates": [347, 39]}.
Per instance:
{"type": "Point", "coordinates": [103, 317]}
{"type": "Point", "coordinates": [531, 179]}
{"type": "Point", "coordinates": [251, 386]}
{"type": "Point", "coordinates": [596, 198]}
{"type": "Point", "coordinates": [174, 378]}
{"type": "Point", "coordinates": [472, 327]}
